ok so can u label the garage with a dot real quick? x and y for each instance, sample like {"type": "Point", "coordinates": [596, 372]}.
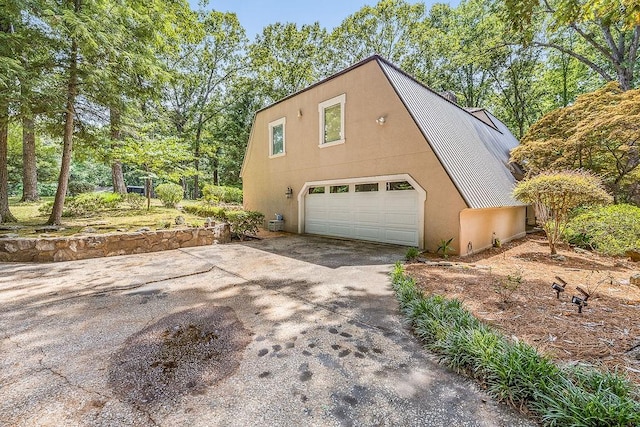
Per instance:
{"type": "Point", "coordinates": [388, 211]}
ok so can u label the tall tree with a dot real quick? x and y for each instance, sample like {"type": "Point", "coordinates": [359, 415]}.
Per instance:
{"type": "Point", "coordinates": [610, 27]}
{"type": "Point", "coordinates": [600, 133]}
{"type": "Point", "coordinates": [285, 59]}
{"type": "Point", "coordinates": [383, 29]}
{"type": "Point", "coordinates": [10, 69]}
{"type": "Point", "coordinates": [204, 69]}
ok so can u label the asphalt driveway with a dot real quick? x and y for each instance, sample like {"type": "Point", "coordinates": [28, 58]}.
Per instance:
{"type": "Point", "coordinates": [325, 346]}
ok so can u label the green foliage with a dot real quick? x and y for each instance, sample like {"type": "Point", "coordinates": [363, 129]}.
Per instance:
{"type": "Point", "coordinates": [514, 372]}
{"type": "Point", "coordinates": [412, 254]}
{"type": "Point", "coordinates": [206, 211]}
{"type": "Point", "coordinates": [445, 247]}
{"type": "Point", "coordinates": [587, 397]}
{"type": "Point", "coordinates": [244, 222]}
{"type": "Point", "coordinates": [169, 194]}
{"type": "Point", "coordinates": [47, 189]}
{"type": "Point", "coordinates": [555, 194]}
{"type": "Point", "coordinates": [79, 187]}
{"type": "Point", "coordinates": [135, 200]}
{"type": "Point", "coordinates": [597, 133]}
{"type": "Point", "coordinates": [610, 230]}
{"type": "Point", "coordinates": [214, 194]}
{"type": "Point", "coordinates": [86, 204]}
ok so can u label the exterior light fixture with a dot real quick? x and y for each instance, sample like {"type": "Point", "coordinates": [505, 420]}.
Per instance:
{"type": "Point", "coordinates": [381, 120]}
{"type": "Point", "coordinates": [289, 192]}
{"type": "Point", "coordinates": [299, 113]}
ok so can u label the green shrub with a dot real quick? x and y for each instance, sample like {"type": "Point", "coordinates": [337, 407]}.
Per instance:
{"type": "Point", "coordinates": [206, 211]}
{"type": "Point", "coordinates": [514, 372]}
{"type": "Point", "coordinates": [610, 230]}
{"type": "Point", "coordinates": [135, 200]}
{"type": "Point", "coordinates": [78, 187]}
{"type": "Point", "coordinates": [47, 189]}
{"type": "Point", "coordinates": [588, 397]}
{"type": "Point", "coordinates": [87, 203]}
{"type": "Point", "coordinates": [169, 194]}
{"type": "Point", "coordinates": [214, 194]}
{"type": "Point", "coordinates": [244, 222]}
{"type": "Point", "coordinates": [412, 254]}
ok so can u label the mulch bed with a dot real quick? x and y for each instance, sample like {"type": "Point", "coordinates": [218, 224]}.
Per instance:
{"type": "Point", "coordinates": [607, 332]}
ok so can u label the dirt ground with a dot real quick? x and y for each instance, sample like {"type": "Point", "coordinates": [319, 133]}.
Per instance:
{"type": "Point", "coordinates": [607, 332]}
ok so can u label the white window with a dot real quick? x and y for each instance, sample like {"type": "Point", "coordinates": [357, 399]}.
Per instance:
{"type": "Point", "coordinates": [332, 121]}
{"type": "Point", "coordinates": [277, 138]}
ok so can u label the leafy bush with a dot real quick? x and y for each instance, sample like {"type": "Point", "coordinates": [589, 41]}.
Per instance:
{"type": "Point", "coordinates": [87, 203]}
{"type": "Point", "coordinates": [79, 187]}
{"type": "Point", "coordinates": [412, 254]}
{"type": "Point", "coordinates": [610, 230]}
{"type": "Point", "coordinates": [515, 372]}
{"type": "Point", "coordinates": [135, 200]}
{"type": "Point", "coordinates": [169, 194]}
{"type": "Point", "coordinates": [47, 189]}
{"type": "Point", "coordinates": [206, 211]}
{"type": "Point", "coordinates": [445, 247]}
{"type": "Point", "coordinates": [244, 222]}
{"type": "Point", "coordinates": [214, 194]}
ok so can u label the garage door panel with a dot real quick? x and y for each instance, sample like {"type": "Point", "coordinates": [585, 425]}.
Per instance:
{"type": "Point", "coordinates": [382, 216]}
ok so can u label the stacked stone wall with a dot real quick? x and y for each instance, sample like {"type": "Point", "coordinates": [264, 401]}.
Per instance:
{"type": "Point", "coordinates": [112, 244]}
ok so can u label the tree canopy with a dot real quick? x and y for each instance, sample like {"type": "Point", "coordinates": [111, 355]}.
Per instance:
{"type": "Point", "coordinates": [600, 133]}
{"type": "Point", "coordinates": [81, 82]}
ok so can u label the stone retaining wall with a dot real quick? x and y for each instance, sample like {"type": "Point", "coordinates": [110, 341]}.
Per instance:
{"type": "Point", "coordinates": [112, 244]}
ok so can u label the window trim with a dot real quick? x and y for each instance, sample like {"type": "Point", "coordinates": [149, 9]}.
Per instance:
{"type": "Point", "coordinates": [281, 121]}
{"type": "Point", "coordinates": [342, 100]}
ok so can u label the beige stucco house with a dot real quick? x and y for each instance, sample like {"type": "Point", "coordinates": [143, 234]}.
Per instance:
{"type": "Point", "coordinates": [372, 154]}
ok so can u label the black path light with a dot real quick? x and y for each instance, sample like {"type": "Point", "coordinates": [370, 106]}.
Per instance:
{"type": "Point", "coordinates": [558, 287]}
{"type": "Point", "coordinates": [580, 301]}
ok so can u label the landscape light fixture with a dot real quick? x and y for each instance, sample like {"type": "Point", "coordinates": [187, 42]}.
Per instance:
{"type": "Point", "coordinates": [381, 120]}
{"type": "Point", "coordinates": [558, 287]}
{"type": "Point", "coordinates": [579, 302]}
{"type": "Point", "coordinates": [299, 113]}
{"type": "Point", "coordinates": [289, 192]}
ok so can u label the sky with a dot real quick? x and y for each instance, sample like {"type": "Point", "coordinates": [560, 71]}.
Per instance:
{"type": "Point", "coordinates": [254, 15]}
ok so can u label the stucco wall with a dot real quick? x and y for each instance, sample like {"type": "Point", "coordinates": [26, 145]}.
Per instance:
{"type": "Point", "coordinates": [397, 147]}
{"type": "Point", "coordinates": [111, 244]}
{"type": "Point", "coordinates": [479, 225]}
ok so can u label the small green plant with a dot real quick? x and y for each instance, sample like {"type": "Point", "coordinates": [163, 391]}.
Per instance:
{"type": "Point", "coordinates": [507, 286]}
{"type": "Point", "coordinates": [244, 222]}
{"type": "Point", "coordinates": [445, 247]}
{"type": "Point", "coordinates": [169, 194]}
{"type": "Point", "coordinates": [412, 254]}
{"type": "Point", "coordinates": [135, 200]}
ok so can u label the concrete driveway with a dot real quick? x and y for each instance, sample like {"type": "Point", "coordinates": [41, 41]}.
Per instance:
{"type": "Point", "coordinates": [326, 343]}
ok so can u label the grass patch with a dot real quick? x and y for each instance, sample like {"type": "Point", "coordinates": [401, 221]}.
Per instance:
{"type": "Point", "coordinates": [513, 371]}
{"type": "Point", "coordinates": [110, 220]}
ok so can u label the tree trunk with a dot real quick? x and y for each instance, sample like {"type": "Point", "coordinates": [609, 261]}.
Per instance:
{"type": "Point", "coordinates": [117, 176]}
{"type": "Point", "coordinates": [5, 213]}
{"type": "Point", "coordinates": [29, 165]}
{"type": "Point", "coordinates": [72, 89]}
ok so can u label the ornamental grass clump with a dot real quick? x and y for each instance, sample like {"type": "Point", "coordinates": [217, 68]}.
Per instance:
{"type": "Point", "coordinates": [513, 371]}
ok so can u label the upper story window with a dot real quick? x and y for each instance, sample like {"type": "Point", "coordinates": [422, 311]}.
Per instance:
{"type": "Point", "coordinates": [277, 138]}
{"type": "Point", "coordinates": [332, 121]}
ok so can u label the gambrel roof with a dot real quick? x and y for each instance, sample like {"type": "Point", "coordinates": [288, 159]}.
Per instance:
{"type": "Point", "coordinates": [471, 144]}
{"type": "Point", "coordinates": [474, 153]}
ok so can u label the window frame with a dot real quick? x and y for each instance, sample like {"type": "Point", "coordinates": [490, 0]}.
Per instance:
{"type": "Point", "coordinates": [281, 121]}
{"type": "Point", "coordinates": [336, 100]}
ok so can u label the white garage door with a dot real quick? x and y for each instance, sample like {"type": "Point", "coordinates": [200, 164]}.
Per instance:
{"type": "Point", "coordinates": [386, 211]}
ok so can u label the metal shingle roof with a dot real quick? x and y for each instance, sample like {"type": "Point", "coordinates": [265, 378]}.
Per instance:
{"type": "Point", "coordinates": [474, 154]}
